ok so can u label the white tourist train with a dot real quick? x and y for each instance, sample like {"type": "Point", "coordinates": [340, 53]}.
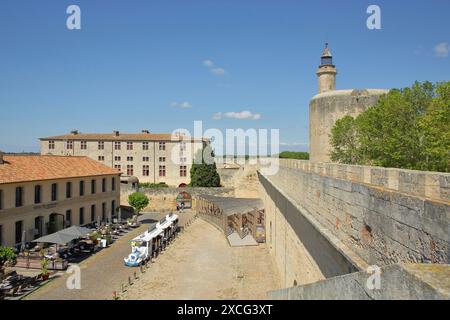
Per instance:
{"type": "Point", "coordinates": [152, 241]}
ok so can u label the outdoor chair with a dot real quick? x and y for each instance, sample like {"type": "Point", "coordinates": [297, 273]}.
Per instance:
{"type": "Point", "coordinates": [12, 292]}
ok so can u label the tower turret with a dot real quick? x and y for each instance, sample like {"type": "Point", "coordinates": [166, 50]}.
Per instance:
{"type": "Point", "coordinates": [327, 72]}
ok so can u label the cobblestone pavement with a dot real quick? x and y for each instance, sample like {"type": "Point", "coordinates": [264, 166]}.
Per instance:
{"type": "Point", "coordinates": [102, 273]}
{"type": "Point", "coordinates": [200, 264]}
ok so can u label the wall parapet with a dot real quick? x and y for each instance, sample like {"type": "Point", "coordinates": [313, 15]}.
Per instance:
{"type": "Point", "coordinates": [427, 184]}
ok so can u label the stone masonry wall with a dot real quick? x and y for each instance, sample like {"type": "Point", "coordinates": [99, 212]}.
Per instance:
{"type": "Point", "coordinates": [431, 185]}
{"type": "Point", "coordinates": [381, 225]}
{"type": "Point", "coordinates": [164, 199]}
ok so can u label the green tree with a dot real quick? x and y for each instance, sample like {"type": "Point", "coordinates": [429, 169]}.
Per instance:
{"type": "Point", "coordinates": [294, 155]}
{"type": "Point", "coordinates": [204, 171]}
{"type": "Point", "coordinates": [407, 128]}
{"type": "Point", "coordinates": [7, 257]}
{"type": "Point", "coordinates": [344, 141]}
{"type": "Point", "coordinates": [139, 202]}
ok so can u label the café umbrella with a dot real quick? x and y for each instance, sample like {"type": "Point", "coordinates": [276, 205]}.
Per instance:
{"type": "Point", "coordinates": [75, 231]}
{"type": "Point", "coordinates": [57, 238]}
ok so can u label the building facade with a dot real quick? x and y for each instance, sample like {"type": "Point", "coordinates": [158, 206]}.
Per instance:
{"type": "Point", "coordinates": [152, 158]}
{"type": "Point", "coordinates": [40, 195]}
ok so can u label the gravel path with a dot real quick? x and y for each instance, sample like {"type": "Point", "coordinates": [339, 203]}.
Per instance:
{"type": "Point", "coordinates": [200, 264]}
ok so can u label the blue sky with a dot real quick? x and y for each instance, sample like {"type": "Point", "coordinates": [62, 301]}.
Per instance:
{"type": "Point", "coordinates": [141, 64]}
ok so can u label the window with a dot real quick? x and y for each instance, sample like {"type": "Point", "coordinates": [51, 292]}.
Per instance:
{"type": "Point", "coordinates": [101, 145]}
{"type": "Point", "coordinates": [117, 158]}
{"type": "Point", "coordinates": [104, 211]}
{"type": "Point", "coordinates": [117, 166]}
{"type": "Point", "coordinates": [93, 187]}
{"type": "Point", "coordinates": [129, 145]}
{"type": "Point", "coordinates": [83, 145]}
{"type": "Point", "coordinates": [81, 188]}
{"type": "Point", "coordinates": [130, 159]}
{"type": "Point", "coordinates": [183, 171]}
{"type": "Point", "coordinates": [113, 184]}
{"type": "Point", "coordinates": [101, 158]}
{"type": "Point", "coordinates": [19, 229]}
{"type": "Point", "coordinates": [51, 145]}
{"type": "Point", "coordinates": [37, 194]}
{"type": "Point", "coordinates": [145, 159]}
{"type": "Point", "coordinates": [117, 145]}
{"type": "Point", "coordinates": [1, 200]}
{"type": "Point", "coordinates": [93, 213]}
{"type": "Point", "coordinates": [38, 227]}
{"type": "Point", "coordinates": [162, 146]}
{"type": "Point", "coordinates": [104, 185]}
{"type": "Point", "coordinates": [182, 146]}
{"type": "Point", "coordinates": [69, 190]}
{"type": "Point", "coordinates": [145, 170]}
{"type": "Point", "coordinates": [68, 218]}
{"type": "Point", "coordinates": [69, 145]}
{"type": "Point", "coordinates": [162, 171]}
{"type": "Point", "coordinates": [162, 159]}
{"type": "Point", "coordinates": [144, 145]}
{"type": "Point", "coordinates": [113, 207]}
{"type": "Point", "coordinates": [54, 192]}
{"type": "Point", "coordinates": [81, 216]}
{"type": "Point", "coordinates": [183, 159]}
{"type": "Point", "coordinates": [19, 197]}
{"type": "Point", "coordinates": [130, 170]}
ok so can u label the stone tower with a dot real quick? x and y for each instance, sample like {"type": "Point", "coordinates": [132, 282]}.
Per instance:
{"type": "Point", "coordinates": [327, 72]}
{"type": "Point", "coordinates": [330, 104]}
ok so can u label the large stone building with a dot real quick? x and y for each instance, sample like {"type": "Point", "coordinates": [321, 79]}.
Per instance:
{"type": "Point", "coordinates": [150, 157]}
{"type": "Point", "coordinates": [331, 105]}
{"type": "Point", "coordinates": [43, 194]}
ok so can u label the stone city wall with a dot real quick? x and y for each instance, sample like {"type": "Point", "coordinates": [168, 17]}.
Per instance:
{"type": "Point", "coordinates": [334, 225]}
{"type": "Point", "coordinates": [432, 185]}
{"type": "Point", "coordinates": [164, 199]}
{"type": "Point", "coordinates": [397, 282]}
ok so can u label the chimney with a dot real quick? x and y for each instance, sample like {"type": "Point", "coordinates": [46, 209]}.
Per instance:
{"type": "Point", "coordinates": [116, 133]}
{"type": "Point", "coordinates": [1, 157]}
{"type": "Point", "coordinates": [74, 132]}
{"type": "Point", "coordinates": [145, 131]}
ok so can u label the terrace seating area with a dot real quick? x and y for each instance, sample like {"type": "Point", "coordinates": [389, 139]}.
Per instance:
{"type": "Point", "coordinates": [72, 245]}
{"type": "Point", "coordinates": [59, 249]}
{"type": "Point", "coordinates": [15, 285]}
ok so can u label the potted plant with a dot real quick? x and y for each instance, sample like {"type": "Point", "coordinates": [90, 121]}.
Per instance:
{"type": "Point", "coordinates": [7, 258]}
{"type": "Point", "coordinates": [44, 271]}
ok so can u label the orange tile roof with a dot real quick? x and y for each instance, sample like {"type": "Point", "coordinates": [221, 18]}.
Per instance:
{"type": "Point", "coordinates": [120, 137]}
{"type": "Point", "coordinates": [35, 168]}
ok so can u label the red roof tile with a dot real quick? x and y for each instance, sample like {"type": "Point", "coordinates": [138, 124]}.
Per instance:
{"type": "Point", "coordinates": [35, 168]}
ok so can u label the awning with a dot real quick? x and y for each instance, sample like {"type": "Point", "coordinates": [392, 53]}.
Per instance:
{"type": "Point", "coordinates": [76, 231]}
{"type": "Point", "coordinates": [56, 238]}
{"type": "Point", "coordinates": [64, 236]}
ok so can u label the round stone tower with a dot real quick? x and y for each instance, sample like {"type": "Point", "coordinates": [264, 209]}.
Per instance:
{"type": "Point", "coordinates": [327, 72]}
{"type": "Point", "coordinates": [330, 105]}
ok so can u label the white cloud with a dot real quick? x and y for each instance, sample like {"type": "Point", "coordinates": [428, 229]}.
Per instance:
{"type": "Point", "coordinates": [208, 63]}
{"type": "Point", "coordinates": [181, 105]}
{"type": "Point", "coordinates": [242, 115]}
{"type": "Point", "coordinates": [217, 116]}
{"type": "Point", "coordinates": [442, 50]}
{"type": "Point", "coordinates": [218, 71]}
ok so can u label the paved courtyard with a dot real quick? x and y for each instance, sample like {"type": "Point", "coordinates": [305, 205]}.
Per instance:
{"type": "Point", "coordinates": [202, 265]}
{"type": "Point", "coordinates": [102, 273]}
